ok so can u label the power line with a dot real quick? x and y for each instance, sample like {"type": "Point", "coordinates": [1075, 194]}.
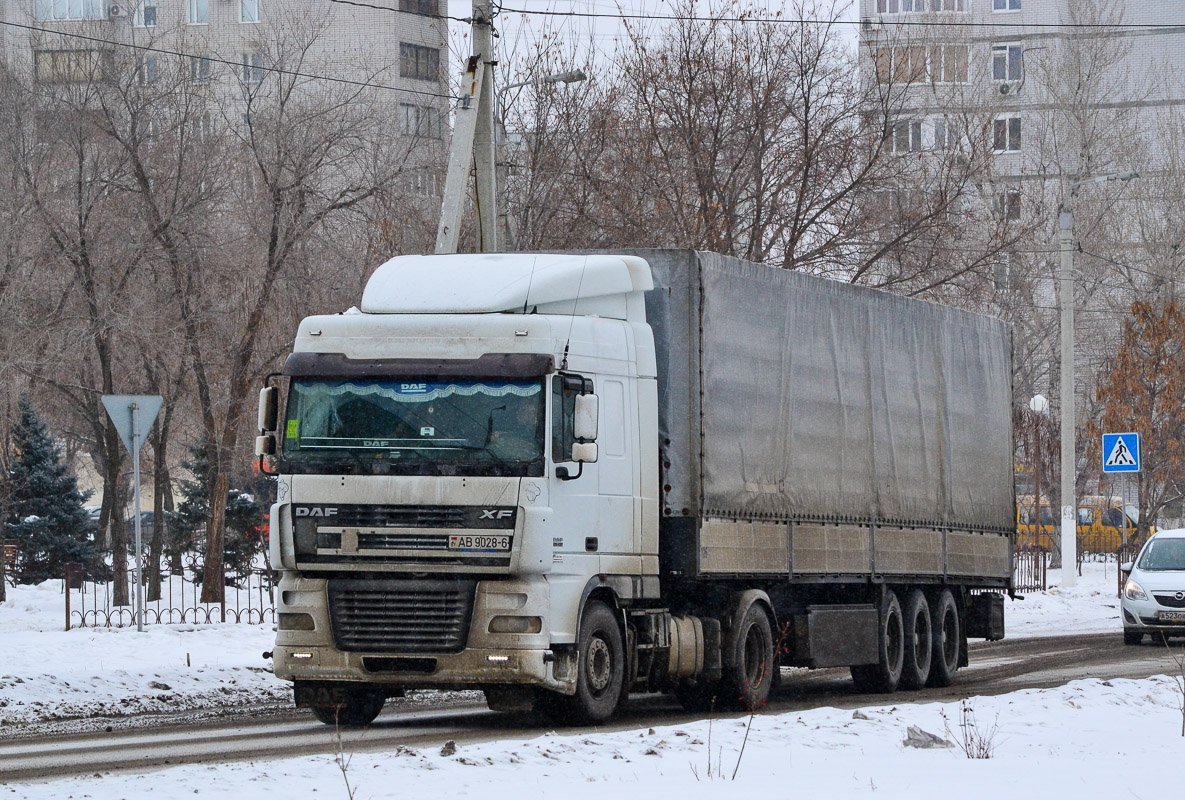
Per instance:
{"type": "Point", "coordinates": [881, 21]}
{"type": "Point", "coordinates": [218, 60]}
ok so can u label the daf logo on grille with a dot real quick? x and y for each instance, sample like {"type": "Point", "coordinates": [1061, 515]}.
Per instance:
{"type": "Point", "coordinates": [493, 513]}
{"type": "Point", "coordinates": [328, 511]}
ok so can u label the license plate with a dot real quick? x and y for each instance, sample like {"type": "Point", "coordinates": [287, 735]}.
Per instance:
{"type": "Point", "coordinates": [480, 542]}
{"type": "Point", "coordinates": [1170, 616]}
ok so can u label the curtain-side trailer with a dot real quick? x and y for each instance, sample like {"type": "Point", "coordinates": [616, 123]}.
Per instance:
{"type": "Point", "coordinates": [561, 478]}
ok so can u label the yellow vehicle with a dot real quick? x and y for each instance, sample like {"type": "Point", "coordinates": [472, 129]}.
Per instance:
{"type": "Point", "coordinates": [1101, 525]}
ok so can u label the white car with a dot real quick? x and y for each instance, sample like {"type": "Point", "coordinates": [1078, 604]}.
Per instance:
{"type": "Point", "coordinates": [1153, 598]}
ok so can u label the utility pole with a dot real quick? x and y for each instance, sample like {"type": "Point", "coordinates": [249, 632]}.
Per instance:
{"type": "Point", "coordinates": [1066, 302]}
{"type": "Point", "coordinates": [473, 142]}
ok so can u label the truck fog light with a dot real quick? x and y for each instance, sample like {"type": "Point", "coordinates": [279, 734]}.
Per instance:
{"type": "Point", "coordinates": [296, 622]}
{"type": "Point", "coordinates": [302, 655]}
{"type": "Point", "coordinates": [498, 659]}
{"type": "Point", "coordinates": [516, 624]}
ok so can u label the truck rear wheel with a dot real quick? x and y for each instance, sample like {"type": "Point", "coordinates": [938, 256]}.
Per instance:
{"type": "Point", "coordinates": [884, 675]}
{"type": "Point", "coordinates": [359, 710]}
{"type": "Point", "coordinates": [919, 641]}
{"type": "Point", "coordinates": [748, 680]}
{"type": "Point", "coordinates": [600, 676]}
{"type": "Point", "coordinates": [944, 620]}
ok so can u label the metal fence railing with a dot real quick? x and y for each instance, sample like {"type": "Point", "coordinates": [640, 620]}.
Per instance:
{"type": "Point", "coordinates": [248, 598]}
{"type": "Point", "coordinates": [1031, 569]}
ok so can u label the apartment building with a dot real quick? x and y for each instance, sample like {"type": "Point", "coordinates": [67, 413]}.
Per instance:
{"type": "Point", "coordinates": [232, 43]}
{"type": "Point", "coordinates": [1022, 64]}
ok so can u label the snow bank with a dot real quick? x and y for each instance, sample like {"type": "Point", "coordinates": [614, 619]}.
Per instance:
{"type": "Point", "coordinates": [1088, 739]}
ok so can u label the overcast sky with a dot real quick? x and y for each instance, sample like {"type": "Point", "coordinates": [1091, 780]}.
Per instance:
{"type": "Point", "coordinates": [520, 33]}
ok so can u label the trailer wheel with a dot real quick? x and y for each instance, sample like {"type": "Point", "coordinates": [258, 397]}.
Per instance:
{"type": "Point", "coordinates": [600, 676]}
{"type": "Point", "coordinates": [747, 681]}
{"type": "Point", "coordinates": [886, 673]}
{"type": "Point", "coordinates": [359, 710]}
{"type": "Point", "coordinates": [944, 618]}
{"type": "Point", "coordinates": [919, 641]}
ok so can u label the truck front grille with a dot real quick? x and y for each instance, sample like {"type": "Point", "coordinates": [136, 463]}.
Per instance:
{"type": "Point", "coordinates": [394, 616]}
{"type": "Point", "coordinates": [397, 541]}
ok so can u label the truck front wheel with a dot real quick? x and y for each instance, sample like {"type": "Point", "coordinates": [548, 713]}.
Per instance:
{"type": "Point", "coordinates": [748, 680]}
{"type": "Point", "coordinates": [600, 674]}
{"type": "Point", "coordinates": [886, 673]}
{"type": "Point", "coordinates": [359, 710]}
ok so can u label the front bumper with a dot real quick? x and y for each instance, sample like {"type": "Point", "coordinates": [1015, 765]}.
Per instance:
{"type": "Point", "coordinates": [1139, 616]}
{"type": "Point", "coordinates": [486, 659]}
{"type": "Point", "coordinates": [469, 669]}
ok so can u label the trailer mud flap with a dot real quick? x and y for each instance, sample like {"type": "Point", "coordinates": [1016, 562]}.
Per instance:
{"type": "Point", "coordinates": [985, 616]}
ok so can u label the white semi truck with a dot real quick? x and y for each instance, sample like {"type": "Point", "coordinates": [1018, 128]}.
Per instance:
{"type": "Point", "coordinates": [562, 478]}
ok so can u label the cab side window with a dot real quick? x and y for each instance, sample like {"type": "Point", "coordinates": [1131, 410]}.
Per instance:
{"type": "Point", "coordinates": [564, 389]}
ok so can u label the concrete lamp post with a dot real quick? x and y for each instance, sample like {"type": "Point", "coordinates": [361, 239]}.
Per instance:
{"type": "Point", "coordinates": [1069, 526]}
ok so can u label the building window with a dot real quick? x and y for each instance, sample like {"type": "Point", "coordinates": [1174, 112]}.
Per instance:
{"type": "Point", "coordinates": [908, 6]}
{"type": "Point", "coordinates": [1006, 135]}
{"type": "Point", "coordinates": [940, 63]}
{"type": "Point", "coordinates": [424, 182]}
{"type": "Point", "coordinates": [200, 68]}
{"type": "Point", "coordinates": [948, 63]}
{"type": "Point", "coordinates": [901, 64]}
{"type": "Point", "coordinates": [427, 7]}
{"type": "Point", "coordinates": [249, 11]}
{"type": "Point", "coordinates": [145, 14]}
{"type": "Point", "coordinates": [422, 121]}
{"type": "Point", "coordinates": [1002, 280]}
{"type": "Point", "coordinates": [419, 63]}
{"type": "Point", "coordinates": [53, 10]}
{"type": "Point", "coordinates": [69, 66]}
{"type": "Point", "coordinates": [1006, 205]}
{"type": "Point", "coordinates": [905, 136]}
{"type": "Point", "coordinates": [1006, 62]}
{"type": "Point", "coordinates": [202, 127]}
{"type": "Point", "coordinates": [1005, 5]}
{"type": "Point", "coordinates": [944, 135]}
{"type": "Point", "coordinates": [251, 67]}
{"type": "Point", "coordinates": [149, 69]}
{"type": "Point", "coordinates": [199, 12]}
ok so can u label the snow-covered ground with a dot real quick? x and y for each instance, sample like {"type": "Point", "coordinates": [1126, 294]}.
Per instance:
{"type": "Point", "coordinates": [1086, 739]}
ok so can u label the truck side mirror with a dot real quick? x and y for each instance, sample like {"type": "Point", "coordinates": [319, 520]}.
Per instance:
{"type": "Point", "coordinates": [268, 402]}
{"type": "Point", "coordinates": [265, 445]}
{"type": "Point", "coordinates": [584, 423]}
{"type": "Point", "coordinates": [584, 452]}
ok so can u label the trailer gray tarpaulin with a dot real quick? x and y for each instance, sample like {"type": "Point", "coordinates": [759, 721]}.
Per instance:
{"type": "Point", "coordinates": [785, 397]}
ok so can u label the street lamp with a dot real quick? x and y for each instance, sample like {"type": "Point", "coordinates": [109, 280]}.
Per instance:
{"type": "Point", "coordinates": [1066, 304]}
{"type": "Point", "coordinates": [572, 76]}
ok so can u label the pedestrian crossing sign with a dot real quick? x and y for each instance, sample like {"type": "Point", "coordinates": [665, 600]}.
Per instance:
{"type": "Point", "coordinates": [1121, 452]}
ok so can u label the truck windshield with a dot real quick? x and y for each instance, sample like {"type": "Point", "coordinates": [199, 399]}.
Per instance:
{"type": "Point", "coordinates": [415, 427]}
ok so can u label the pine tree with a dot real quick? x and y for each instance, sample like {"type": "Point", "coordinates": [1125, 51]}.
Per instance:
{"type": "Point", "coordinates": [246, 515]}
{"type": "Point", "coordinates": [46, 519]}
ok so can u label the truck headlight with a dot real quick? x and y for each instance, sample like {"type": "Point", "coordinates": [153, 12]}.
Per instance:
{"type": "Point", "coordinates": [1133, 591]}
{"type": "Point", "coordinates": [516, 624]}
